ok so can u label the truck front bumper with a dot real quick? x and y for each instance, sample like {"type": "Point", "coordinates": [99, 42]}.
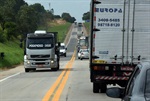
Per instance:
{"type": "Point", "coordinates": [40, 64]}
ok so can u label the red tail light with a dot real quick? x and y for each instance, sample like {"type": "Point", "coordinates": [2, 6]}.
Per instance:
{"type": "Point", "coordinates": [99, 67]}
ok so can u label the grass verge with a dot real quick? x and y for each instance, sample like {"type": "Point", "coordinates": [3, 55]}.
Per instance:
{"type": "Point", "coordinates": [87, 26]}
{"type": "Point", "coordinates": [13, 54]}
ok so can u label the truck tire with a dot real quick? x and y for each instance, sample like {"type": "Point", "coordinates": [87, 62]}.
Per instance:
{"type": "Point", "coordinates": [27, 70]}
{"type": "Point", "coordinates": [54, 69]}
{"type": "Point", "coordinates": [103, 88]}
{"type": "Point", "coordinates": [58, 67]}
{"type": "Point", "coordinates": [95, 87]}
{"type": "Point", "coordinates": [65, 54]}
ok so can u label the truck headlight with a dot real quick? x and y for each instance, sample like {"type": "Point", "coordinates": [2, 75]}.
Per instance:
{"type": "Point", "coordinates": [52, 61]}
{"type": "Point", "coordinates": [28, 62]}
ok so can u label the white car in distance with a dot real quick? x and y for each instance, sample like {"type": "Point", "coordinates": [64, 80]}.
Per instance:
{"type": "Point", "coordinates": [62, 50]}
{"type": "Point", "coordinates": [83, 54]}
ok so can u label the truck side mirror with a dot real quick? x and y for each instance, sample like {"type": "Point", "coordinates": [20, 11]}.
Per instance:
{"type": "Point", "coordinates": [24, 52]}
{"type": "Point", "coordinates": [58, 44]}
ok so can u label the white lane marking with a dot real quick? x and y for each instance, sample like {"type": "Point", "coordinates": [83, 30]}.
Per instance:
{"type": "Point", "coordinates": [9, 77]}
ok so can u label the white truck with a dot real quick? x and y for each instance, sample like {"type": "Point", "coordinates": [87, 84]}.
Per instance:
{"type": "Point", "coordinates": [41, 51]}
{"type": "Point", "coordinates": [83, 42]}
{"type": "Point", "coordinates": [79, 30]}
{"type": "Point", "coordinates": [119, 40]}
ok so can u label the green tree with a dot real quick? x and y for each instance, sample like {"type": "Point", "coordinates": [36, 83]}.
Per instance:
{"type": "Point", "coordinates": [72, 20]}
{"type": "Point", "coordinates": [18, 4]}
{"type": "Point", "coordinates": [2, 21]}
{"type": "Point", "coordinates": [86, 16]}
{"type": "Point", "coordinates": [38, 8]}
{"type": "Point", "coordinates": [27, 19]}
{"type": "Point", "coordinates": [11, 29]}
{"type": "Point", "coordinates": [68, 18]}
{"type": "Point", "coordinates": [9, 9]}
{"type": "Point", "coordinates": [49, 15]}
{"type": "Point", "coordinates": [7, 13]}
{"type": "Point", "coordinates": [2, 2]}
{"type": "Point", "coordinates": [2, 36]}
{"type": "Point", "coordinates": [57, 16]}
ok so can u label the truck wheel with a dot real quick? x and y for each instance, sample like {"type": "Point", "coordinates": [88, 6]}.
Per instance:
{"type": "Point", "coordinates": [95, 87]}
{"type": "Point", "coordinates": [27, 70]}
{"type": "Point", "coordinates": [103, 88]}
{"type": "Point", "coordinates": [65, 55]}
{"type": "Point", "coordinates": [54, 69]}
{"type": "Point", "coordinates": [58, 67]}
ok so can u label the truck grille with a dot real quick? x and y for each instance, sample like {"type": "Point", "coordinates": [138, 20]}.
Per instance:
{"type": "Point", "coordinates": [40, 63]}
{"type": "Point", "coordinates": [40, 59]}
{"type": "Point", "coordinates": [40, 56]}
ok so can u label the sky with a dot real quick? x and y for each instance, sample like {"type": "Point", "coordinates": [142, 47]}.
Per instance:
{"type": "Point", "coordinates": [76, 8]}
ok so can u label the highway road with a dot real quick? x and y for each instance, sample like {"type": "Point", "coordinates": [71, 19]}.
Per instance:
{"type": "Point", "coordinates": [70, 83]}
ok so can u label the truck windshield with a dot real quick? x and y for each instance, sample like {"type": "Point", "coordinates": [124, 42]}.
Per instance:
{"type": "Point", "coordinates": [82, 42]}
{"type": "Point", "coordinates": [40, 43]}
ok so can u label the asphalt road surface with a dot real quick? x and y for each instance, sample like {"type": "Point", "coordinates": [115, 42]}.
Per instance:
{"type": "Point", "coordinates": [70, 83]}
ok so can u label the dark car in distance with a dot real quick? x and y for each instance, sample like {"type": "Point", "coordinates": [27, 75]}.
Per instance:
{"type": "Point", "coordinates": [138, 87]}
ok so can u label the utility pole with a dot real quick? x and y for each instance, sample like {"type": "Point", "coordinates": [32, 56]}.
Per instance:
{"type": "Point", "coordinates": [51, 9]}
{"type": "Point", "coordinates": [49, 6]}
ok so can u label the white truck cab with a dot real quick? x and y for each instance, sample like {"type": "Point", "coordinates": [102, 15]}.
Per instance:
{"type": "Point", "coordinates": [41, 51]}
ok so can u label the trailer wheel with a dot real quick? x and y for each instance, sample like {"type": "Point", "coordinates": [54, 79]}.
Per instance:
{"type": "Point", "coordinates": [95, 87]}
{"type": "Point", "coordinates": [27, 70]}
{"type": "Point", "coordinates": [103, 88]}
